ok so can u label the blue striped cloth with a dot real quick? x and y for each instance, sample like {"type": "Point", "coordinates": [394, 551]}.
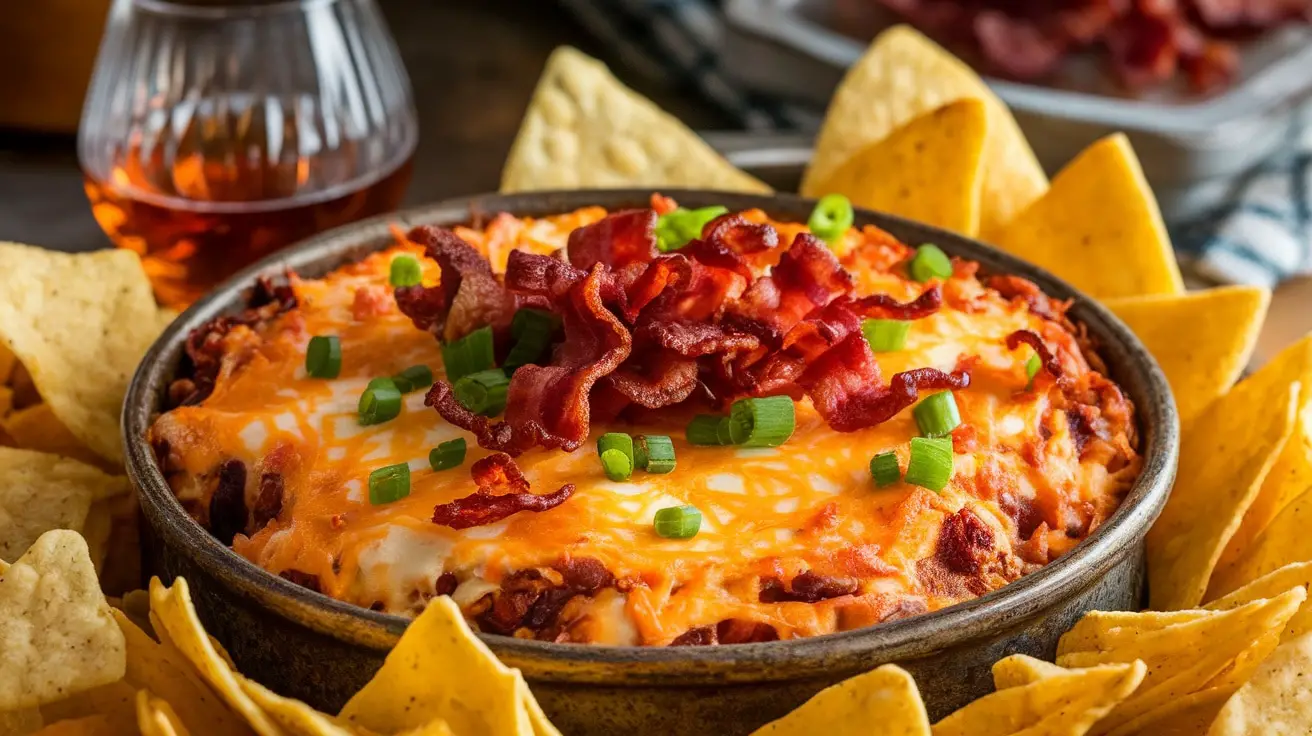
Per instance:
{"type": "Point", "coordinates": [1261, 234]}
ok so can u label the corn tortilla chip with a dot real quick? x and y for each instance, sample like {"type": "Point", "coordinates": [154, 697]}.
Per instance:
{"type": "Point", "coordinates": [886, 693]}
{"type": "Point", "coordinates": [40, 492]}
{"type": "Point", "coordinates": [1187, 716]}
{"type": "Point", "coordinates": [20, 722]}
{"type": "Point", "coordinates": [1183, 658]}
{"type": "Point", "coordinates": [293, 715]}
{"type": "Point", "coordinates": [6, 402]}
{"type": "Point", "coordinates": [116, 702]}
{"type": "Point", "coordinates": [1224, 459]}
{"type": "Point", "coordinates": [59, 636]}
{"type": "Point", "coordinates": [1293, 575]}
{"type": "Point", "coordinates": [1068, 703]}
{"type": "Point", "coordinates": [156, 717]}
{"type": "Point", "coordinates": [1022, 669]}
{"type": "Point", "coordinates": [902, 76]}
{"type": "Point", "coordinates": [929, 170]}
{"type": "Point", "coordinates": [79, 324]}
{"type": "Point", "coordinates": [1202, 340]}
{"type": "Point", "coordinates": [1285, 540]}
{"type": "Point", "coordinates": [176, 623]}
{"type": "Point", "coordinates": [1098, 227]}
{"type": "Point", "coordinates": [440, 671]}
{"type": "Point", "coordinates": [1277, 700]}
{"type": "Point", "coordinates": [95, 725]}
{"type": "Point", "coordinates": [37, 428]}
{"type": "Point", "coordinates": [7, 362]}
{"type": "Point", "coordinates": [586, 130]}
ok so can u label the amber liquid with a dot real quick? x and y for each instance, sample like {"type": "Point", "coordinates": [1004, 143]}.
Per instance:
{"type": "Point", "coordinates": [200, 220]}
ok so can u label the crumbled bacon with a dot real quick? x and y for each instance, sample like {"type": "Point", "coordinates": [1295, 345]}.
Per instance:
{"type": "Point", "coordinates": [727, 240]}
{"type": "Point", "coordinates": [533, 599]}
{"type": "Point", "coordinates": [623, 238]}
{"type": "Point", "coordinates": [1028, 337]}
{"type": "Point", "coordinates": [728, 631]}
{"type": "Point", "coordinates": [468, 297]}
{"type": "Point", "coordinates": [807, 587]}
{"type": "Point", "coordinates": [496, 473]}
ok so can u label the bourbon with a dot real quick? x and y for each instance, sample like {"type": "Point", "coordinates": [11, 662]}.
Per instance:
{"type": "Point", "coordinates": [197, 220]}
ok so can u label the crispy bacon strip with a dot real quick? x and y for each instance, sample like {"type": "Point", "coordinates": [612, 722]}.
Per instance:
{"type": "Point", "coordinates": [1028, 337]}
{"type": "Point", "coordinates": [468, 296]}
{"type": "Point", "coordinates": [727, 239]}
{"type": "Point", "coordinates": [883, 306]}
{"type": "Point", "coordinates": [616, 240]}
{"type": "Point", "coordinates": [496, 472]}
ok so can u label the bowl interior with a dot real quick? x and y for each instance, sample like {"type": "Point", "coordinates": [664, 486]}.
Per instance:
{"type": "Point", "coordinates": [1127, 360]}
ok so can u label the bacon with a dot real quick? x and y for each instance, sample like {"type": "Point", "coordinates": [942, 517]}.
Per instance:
{"type": "Point", "coordinates": [844, 385]}
{"type": "Point", "coordinates": [883, 306]}
{"type": "Point", "coordinates": [666, 380]}
{"type": "Point", "coordinates": [1028, 337]}
{"type": "Point", "coordinates": [807, 587]}
{"type": "Point", "coordinates": [728, 631]}
{"type": "Point", "coordinates": [269, 503]}
{"type": "Point", "coordinates": [1028, 292]}
{"type": "Point", "coordinates": [616, 240]}
{"type": "Point", "coordinates": [963, 542]}
{"type": "Point", "coordinates": [807, 277]}
{"type": "Point", "coordinates": [467, 297]}
{"type": "Point", "coordinates": [533, 599]}
{"type": "Point", "coordinates": [727, 239]}
{"type": "Point", "coordinates": [497, 472]}
{"type": "Point", "coordinates": [695, 339]}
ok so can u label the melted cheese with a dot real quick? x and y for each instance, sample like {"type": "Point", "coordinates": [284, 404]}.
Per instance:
{"type": "Point", "coordinates": [807, 505]}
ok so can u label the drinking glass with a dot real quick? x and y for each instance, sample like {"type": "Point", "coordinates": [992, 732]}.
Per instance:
{"type": "Point", "coordinates": [214, 133]}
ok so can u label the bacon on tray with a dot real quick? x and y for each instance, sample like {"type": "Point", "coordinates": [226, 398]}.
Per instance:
{"type": "Point", "coordinates": [1147, 42]}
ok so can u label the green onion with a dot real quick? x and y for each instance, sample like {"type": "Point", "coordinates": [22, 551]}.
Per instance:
{"type": "Point", "coordinates": [831, 218]}
{"type": "Point", "coordinates": [532, 330]}
{"type": "Point", "coordinates": [616, 441]}
{"type": "Point", "coordinates": [483, 392]}
{"type": "Point", "coordinates": [323, 357]}
{"type": "Point", "coordinates": [678, 522]}
{"type": "Point", "coordinates": [389, 483]}
{"type": "Point", "coordinates": [654, 453]}
{"type": "Point", "coordinates": [937, 415]}
{"type": "Point", "coordinates": [1032, 367]}
{"type": "Point", "coordinates": [470, 354]}
{"type": "Point", "coordinates": [931, 462]}
{"type": "Point", "coordinates": [724, 431]}
{"type": "Point", "coordinates": [676, 229]}
{"type": "Point", "coordinates": [704, 430]}
{"type": "Point", "coordinates": [414, 377]}
{"type": "Point", "coordinates": [617, 465]}
{"type": "Point", "coordinates": [405, 271]}
{"type": "Point", "coordinates": [884, 469]}
{"type": "Point", "coordinates": [766, 422]}
{"type": "Point", "coordinates": [449, 454]}
{"type": "Point", "coordinates": [930, 262]}
{"type": "Point", "coordinates": [885, 335]}
{"type": "Point", "coordinates": [380, 402]}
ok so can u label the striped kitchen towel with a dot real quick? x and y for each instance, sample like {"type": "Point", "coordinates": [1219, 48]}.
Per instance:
{"type": "Point", "coordinates": [1261, 233]}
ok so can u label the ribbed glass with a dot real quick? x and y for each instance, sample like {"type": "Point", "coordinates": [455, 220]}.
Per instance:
{"type": "Point", "coordinates": [213, 110]}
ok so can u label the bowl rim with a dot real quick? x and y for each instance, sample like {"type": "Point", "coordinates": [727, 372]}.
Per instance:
{"type": "Point", "coordinates": [989, 615]}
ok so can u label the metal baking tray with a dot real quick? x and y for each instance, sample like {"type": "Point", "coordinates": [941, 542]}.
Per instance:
{"type": "Point", "coordinates": [1192, 147]}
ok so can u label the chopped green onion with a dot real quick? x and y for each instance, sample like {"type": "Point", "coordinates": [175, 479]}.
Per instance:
{"type": "Point", "coordinates": [831, 218]}
{"type": "Point", "coordinates": [704, 429]}
{"type": "Point", "coordinates": [389, 483]}
{"type": "Point", "coordinates": [654, 453]}
{"type": "Point", "coordinates": [678, 522]}
{"type": "Point", "coordinates": [724, 431]}
{"type": "Point", "coordinates": [412, 378]}
{"type": "Point", "coordinates": [885, 335]}
{"type": "Point", "coordinates": [405, 271]}
{"type": "Point", "coordinates": [616, 441]}
{"type": "Point", "coordinates": [470, 354]}
{"type": "Point", "coordinates": [931, 462]}
{"type": "Point", "coordinates": [380, 402]}
{"type": "Point", "coordinates": [930, 262]}
{"type": "Point", "coordinates": [323, 356]}
{"type": "Point", "coordinates": [884, 469]}
{"type": "Point", "coordinates": [676, 229]}
{"type": "Point", "coordinates": [766, 422]}
{"type": "Point", "coordinates": [617, 465]}
{"type": "Point", "coordinates": [483, 392]}
{"type": "Point", "coordinates": [1032, 367]}
{"type": "Point", "coordinates": [449, 454]}
{"type": "Point", "coordinates": [937, 415]}
{"type": "Point", "coordinates": [532, 330]}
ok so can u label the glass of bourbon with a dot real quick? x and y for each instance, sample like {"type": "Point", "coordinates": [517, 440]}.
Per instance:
{"type": "Point", "coordinates": [217, 131]}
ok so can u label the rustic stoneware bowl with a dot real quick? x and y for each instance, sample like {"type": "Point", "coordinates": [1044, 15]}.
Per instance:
{"type": "Point", "coordinates": [321, 650]}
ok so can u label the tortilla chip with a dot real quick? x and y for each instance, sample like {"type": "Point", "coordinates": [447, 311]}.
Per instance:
{"type": "Point", "coordinates": [79, 324]}
{"type": "Point", "coordinates": [7, 362]}
{"type": "Point", "coordinates": [116, 702]}
{"type": "Point", "coordinates": [1278, 699]}
{"type": "Point", "coordinates": [440, 671]}
{"type": "Point", "coordinates": [1182, 658]}
{"type": "Point", "coordinates": [1187, 716]}
{"type": "Point", "coordinates": [585, 130]}
{"type": "Point", "coordinates": [6, 402]}
{"type": "Point", "coordinates": [1066, 703]}
{"type": "Point", "coordinates": [96, 725]}
{"type": "Point", "coordinates": [887, 693]}
{"type": "Point", "coordinates": [293, 715]}
{"type": "Point", "coordinates": [40, 492]}
{"type": "Point", "coordinates": [99, 525]}
{"type": "Point", "coordinates": [156, 717]}
{"type": "Point", "coordinates": [929, 170]}
{"type": "Point", "coordinates": [20, 722]}
{"type": "Point", "coordinates": [59, 636]}
{"type": "Point", "coordinates": [1224, 458]}
{"type": "Point", "coordinates": [177, 625]}
{"type": "Point", "coordinates": [436, 728]}
{"type": "Point", "coordinates": [1202, 340]}
{"type": "Point", "coordinates": [902, 76]}
{"type": "Point", "coordinates": [1022, 669]}
{"type": "Point", "coordinates": [37, 428]}
{"type": "Point", "coordinates": [1098, 227]}
{"type": "Point", "coordinates": [1294, 575]}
